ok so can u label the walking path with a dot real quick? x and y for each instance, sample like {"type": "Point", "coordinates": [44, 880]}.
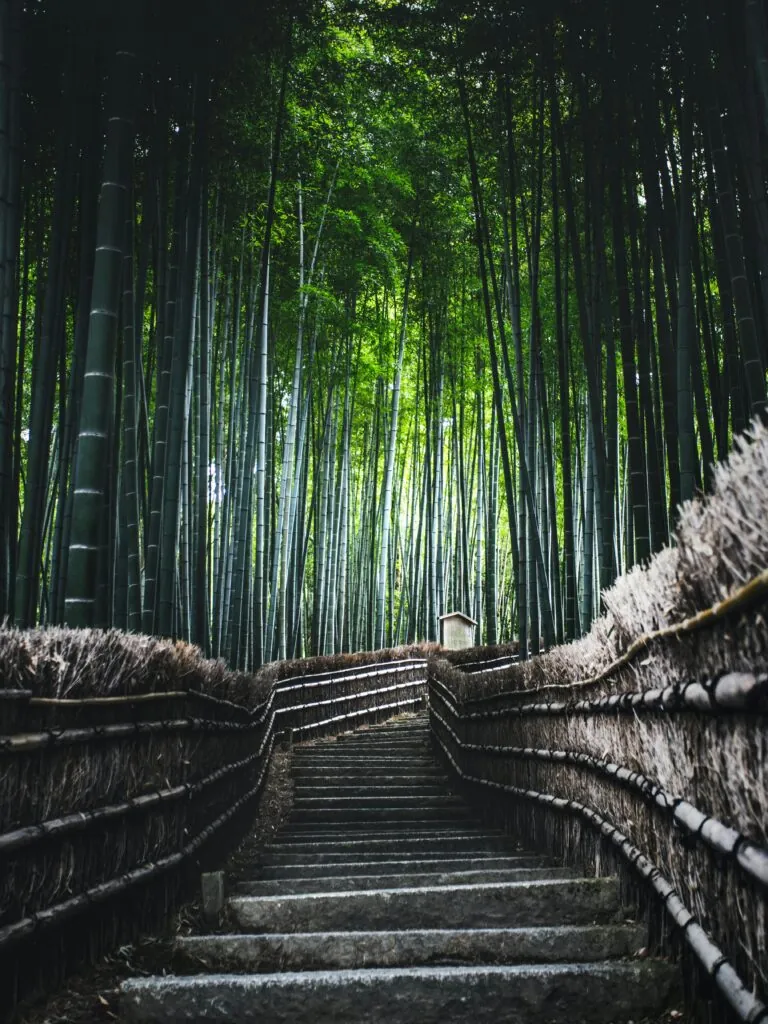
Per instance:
{"type": "Point", "coordinates": [383, 898]}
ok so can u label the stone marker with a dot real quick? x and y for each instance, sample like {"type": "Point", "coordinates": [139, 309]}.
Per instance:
{"type": "Point", "coordinates": [212, 891]}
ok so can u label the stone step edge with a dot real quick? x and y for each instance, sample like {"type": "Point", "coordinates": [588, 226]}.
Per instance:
{"type": "Point", "coordinates": [437, 863]}
{"type": "Point", "coordinates": [636, 987]}
{"type": "Point", "coordinates": [414, 880]}
{"type": "Point", "coordinates": [342, 835]}
{"type": "Point", "coordinates": [478, 888]}
{"type": "Point", "coordinates": [338, 950]}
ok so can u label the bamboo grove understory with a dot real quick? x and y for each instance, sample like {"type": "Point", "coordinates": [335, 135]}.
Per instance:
{"type": "Point", "coordinates": [318, 320]}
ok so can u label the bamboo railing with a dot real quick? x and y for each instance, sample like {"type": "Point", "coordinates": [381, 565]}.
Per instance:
{"type": "Point", "coordinates": [576, 802]}
{"type": "Point", "coordinates": [111, 807]}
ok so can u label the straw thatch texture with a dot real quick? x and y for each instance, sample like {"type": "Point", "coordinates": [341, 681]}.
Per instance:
{"type": "Point", "coordinates": [81, 663]}
{"type": "Point", "coordinates": [276, 671]}
{"type": "Point", "coordinates": [720, 544]}
{"type": "Point", "coordinates": [670, 745]}
{"type": "Point", "coordinates": [117, 786]}
{"type": "Point", "coordinates": [485, 653]}
{"type": "Point", "coordinates": [716, 762]}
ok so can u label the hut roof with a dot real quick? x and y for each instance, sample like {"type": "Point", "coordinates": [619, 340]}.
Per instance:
{"type": "Point", "coordinates": [457, 615]}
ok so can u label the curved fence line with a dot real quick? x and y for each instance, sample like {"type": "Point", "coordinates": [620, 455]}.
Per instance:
{"type": "Point", "coordinates": [746, 1005]}
{"type": "Point", "coordinates": [737, 697]}
{"type": "Point", "coordinates": [752, 592]}
{"type": "Point", "coordinates": [734, 691]}
{"type": "Point", "coordinates": [184, 775]}
{"type": "Point", "coordinates": [473, 668]}
{"type": "Point", "coordinates": [751, 858]}
{"type": "Point", "coordinates": [354, 672]}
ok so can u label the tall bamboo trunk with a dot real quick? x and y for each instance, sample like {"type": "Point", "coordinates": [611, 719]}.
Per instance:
{"type": "Point", "coordinates": [90, 495]}
{"type": "Point", "coordinates": [10, 233]}
{"type": "Point", "coordinates": [389, 468]}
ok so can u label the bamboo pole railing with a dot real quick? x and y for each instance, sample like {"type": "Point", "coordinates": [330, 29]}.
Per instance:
{"type": "Point", "coordinates": [491, 767]}
{"type": "Point", "coordinates": [162, 832]}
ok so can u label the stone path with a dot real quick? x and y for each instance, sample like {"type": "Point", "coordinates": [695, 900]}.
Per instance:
{"type": "Point", "coordinates": [382, 899]}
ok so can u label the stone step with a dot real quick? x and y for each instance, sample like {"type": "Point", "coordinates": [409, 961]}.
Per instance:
{"type": "Point", "coordinates": [396, 774]}
{"type": "Point", "coordinates": [444, 844]}
{"type": "Point", "coordinates": [420, 728]}
{"type": "Point", "coordinates": [337, 856]}
{"type": "Point", "coordinates": [383, 753]}
{"type": "Point", "coordinates": [500, 904]}
{"type": "Point", "coordinates": [383, 748]}
{"type": "Point", "coordinates": [414, 737]}
{"type": "Point", "coordinates": [383, 830]}
{"type": "Point", "coordinates": [374, 865]}
{"type": "Point", "coordinates": [325, 840]}
{"type": "Point", "coordinates": [364, 790]}
{"type": "Point", "coordinates": [335, 836]}
{"type": "Point", "coordinates": [341, 883]}
{"type": "Point", "coordinates": [417, 742]}
{"type": "Point", "coordinates": [393, 824]}
{"type": "Point", "coordinates": [367, 762]}
{"type": "Point", "coordinates": [383, 812]}
{"type": "Point", "coordinates": [323, 951]}
{"type": "Point", "coordinates": [353, 831]}
{"type": "Point", "coordinates": [381, 799]}
{"type": "Point", "coordinates": [421, 742]}
{"type": "Point", "coordinates": [348, 783]}
{"type": "Point", "coordinates": [468, 846]}
{"type": "Point", "coordinates": [387, 812]}
{"type": "Point", "coordinates": [378, 751]}
{"type": "Point", "coordinates": [420, 725]}
{"type": "Point", "coordinates": [412, 720]}
{"type": "Point", "coordinates": [521, 994]}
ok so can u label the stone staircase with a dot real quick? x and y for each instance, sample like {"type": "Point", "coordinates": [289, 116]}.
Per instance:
{"type": "Point", "coordinates": [383, 899]}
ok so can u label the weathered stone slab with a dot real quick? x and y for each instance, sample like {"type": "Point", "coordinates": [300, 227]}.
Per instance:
{"type": "Point", "coordinates": [468, 845]}
{"type": "Point", "coordinates": [341, 883]}
{"type": "Point", "coordinates": [212, 893]}
{"type": "Point", "coordinates": [558, 994]}
{"type": "Point", "coordinates": [317, 951]}
{"type": "Point", "coordinates": [386, 867]}
{"type": "Point", "coordinates": [500, 904]}
{"type": "Point", "coordinates": [414, 798]}
{"type": "Point", "coordinates": [356, 773]}
{"type": "Point", "coordinates": [366, 789]}
{"type": "Point", "coordinates": [383, 830]}
{"type": "Point", "coordinates": [386, 812]}
{"type": "Point", "coordinates": [402, 828]}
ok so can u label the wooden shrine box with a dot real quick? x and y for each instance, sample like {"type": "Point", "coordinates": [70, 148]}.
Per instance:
{"type": "Point", "coordinates": [457, 631]}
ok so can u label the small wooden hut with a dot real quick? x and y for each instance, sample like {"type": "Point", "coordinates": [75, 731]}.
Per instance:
{"type": "Point", "coordinates": [457, 631]}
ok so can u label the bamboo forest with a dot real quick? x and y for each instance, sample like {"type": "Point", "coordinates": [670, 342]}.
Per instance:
{"type": "Point", "coordinates": [321, 318]}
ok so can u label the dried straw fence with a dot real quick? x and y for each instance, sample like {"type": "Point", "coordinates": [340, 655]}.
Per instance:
{"type": "Point", "coordinates": [642, 748]}
{"type": "Point", "coordinates": [110, 806]}
{"type": "Point", "coordinates": [575, 771]}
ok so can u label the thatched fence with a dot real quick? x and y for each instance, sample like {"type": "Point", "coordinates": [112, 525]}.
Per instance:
{"type": "Point", "coordinates": [642, 748]}
{"type": "Point", "coordinates": [550, 773]}
{"type": "Point", "coordinates": [111, 803]}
